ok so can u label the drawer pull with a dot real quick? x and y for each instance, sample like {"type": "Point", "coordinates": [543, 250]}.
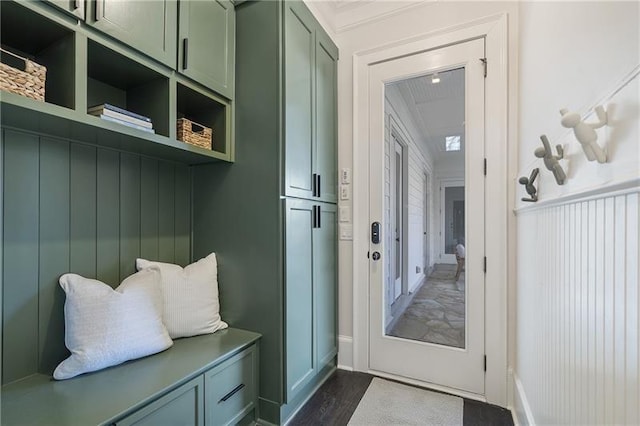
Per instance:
{"type": "Point", "coordinates": [233, 392]}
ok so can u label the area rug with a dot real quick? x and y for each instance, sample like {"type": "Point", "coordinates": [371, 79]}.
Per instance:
{"type": "Point", "coordinates": [390, 403]}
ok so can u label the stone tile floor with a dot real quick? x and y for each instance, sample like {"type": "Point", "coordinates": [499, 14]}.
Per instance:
{"type": "Point", "coordinates": [437, 312]}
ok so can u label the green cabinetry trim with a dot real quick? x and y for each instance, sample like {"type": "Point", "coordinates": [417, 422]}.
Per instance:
{"type": "Point", "coordinates": [86, 68]}
{"type": "Point", "coordinates": [183, 406]}
{"type": "Point", "coordinates": [168, 388]}
{"type": "Point", "coordinates": [299, 317]}
{"type": "Point", "coordinates": [310, 282]}
{"type": "Point", "coordinates": [311, 106]}
{"type": "Point", "coordinates": [148, 26]}
{"type": "Point", "coordinates": [231, 389]}
{"type": "Point", "coordinates": [206, 48]}
{"type": "Point", "coordinates": [274, 250]}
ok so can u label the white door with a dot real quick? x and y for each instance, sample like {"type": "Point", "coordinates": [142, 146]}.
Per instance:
{"type": "Point", "coordinates": [428, 358]}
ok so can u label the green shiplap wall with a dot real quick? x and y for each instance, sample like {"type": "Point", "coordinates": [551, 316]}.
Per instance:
{"type": "Point", "coordinates": [70, 207]}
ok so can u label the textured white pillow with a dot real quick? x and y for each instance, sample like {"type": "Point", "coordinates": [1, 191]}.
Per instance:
{"type": "Point", "coordinates": [105, 327]}
{"type": "Point", "coordinates": [191, 304]}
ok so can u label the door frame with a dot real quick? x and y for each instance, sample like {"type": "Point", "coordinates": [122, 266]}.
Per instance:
{"type": "Point", "coordinates": [494, 30]}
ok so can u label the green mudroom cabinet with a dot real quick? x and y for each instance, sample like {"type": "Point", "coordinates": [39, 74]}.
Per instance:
{"type": "Point", "coordinates": [207, 26]}
{"type": "Point", "coordinates": [269, 216]}
{"type": "Point", "coordinates": [149, 26]}
{"type": "Point", "coordinates": [124, 53]}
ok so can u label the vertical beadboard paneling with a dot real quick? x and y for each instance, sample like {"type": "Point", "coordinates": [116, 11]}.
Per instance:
{"type": "Point", "coordinates": [54, 250]}
{"type": "Point", "coordinates": [149, 208]}
{"type": "Point", "coordinates": [129, 213]}
{"type": "Point", "coordinates": [82, 209]}
{"type": "Point", "coordinates": [632, 339]}
{"type": "Point", "coordinates": [166, 210]}
{"type": "Point", "coordinates": [69, 207]}
{"type": "Point", "coordinates": [583, 329]}
{"type": "Point", "coordinates": [108, 217]}
{"type": "Point", "coordinates": [182, 229]}
{"type": "Point", "coordinates": [20, 247]}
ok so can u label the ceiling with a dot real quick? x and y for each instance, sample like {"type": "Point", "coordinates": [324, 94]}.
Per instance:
{"type": "Point", "coordinates": [436, 110]}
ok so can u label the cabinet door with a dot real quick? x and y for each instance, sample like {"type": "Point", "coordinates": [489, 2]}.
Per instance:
{"type": "Point", "coordinates": [299, 105]}
{"type": "Point", "coordinates": [149, 26]}
{"type": "Point", "coordinates": [206, 50]}
{"type": "Point", "coordinates": [183, 406]}
{"type": "Point", "coordinates": [299, 321]}
{"type": "Point", "coordinates": [325, 270]}
{"type": "Point", "coordinates": [326, 118]}
{"type": "Point", "coordinates": [76, 7]}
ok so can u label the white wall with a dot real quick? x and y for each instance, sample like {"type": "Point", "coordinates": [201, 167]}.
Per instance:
{"type": "Point", "coordinates": [577, 346]}
{"type": "Point", "coordinates": [418, 165]}
{"type": "Point", "coordinates": [406, 24]}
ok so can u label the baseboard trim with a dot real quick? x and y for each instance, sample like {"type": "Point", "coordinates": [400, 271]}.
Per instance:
{"type": "Point", "coordinates": [345, 353]}
{"type": "Point", "coordinates": [521, 411]}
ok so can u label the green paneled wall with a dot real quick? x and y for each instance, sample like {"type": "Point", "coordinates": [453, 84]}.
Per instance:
{"type": "Point", "coordinates": [71, 207]}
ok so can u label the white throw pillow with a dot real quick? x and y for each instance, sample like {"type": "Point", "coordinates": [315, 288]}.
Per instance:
{"type": "Point", "coordinates": [191, 304]}
{"type": "Point", "coordinates": [106, 327]}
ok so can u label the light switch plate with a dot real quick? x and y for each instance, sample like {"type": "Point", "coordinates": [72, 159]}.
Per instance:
{"type": "Point", "coordinates": [344, 214]}
{"type": "Point", "coordinates": [344, 192]}
{"type": "Point", "coordinates": [345, 175]}
{"type": "Point", "coordinates": [346, 231]}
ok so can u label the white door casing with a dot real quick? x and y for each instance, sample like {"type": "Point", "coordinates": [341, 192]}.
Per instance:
{"type": "Point", "coordinates": [494, 30]}
{"type": "Point", "coordinates": [457, 368]}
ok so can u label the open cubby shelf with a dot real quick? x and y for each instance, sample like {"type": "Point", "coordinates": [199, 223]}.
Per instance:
{"type": "Point", "coordinates": [27, 34]}
{"type": "Point", "coordinates": [110, 74]}
{"type": "Point", "coordinates": [120, 81]}
{"type": "Point", "coordinates": [203, 110]}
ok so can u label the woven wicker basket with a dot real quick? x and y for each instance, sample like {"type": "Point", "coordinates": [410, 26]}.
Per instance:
{"type": "Point", "coordinates": [194, 133]}
{"type": "Point", "coordinates": [29, 83]}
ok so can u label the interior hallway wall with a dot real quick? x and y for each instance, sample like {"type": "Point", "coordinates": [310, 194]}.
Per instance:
{"type": "Point", "coordinates": [418, 164]}
{"type": "Point", "coordinates": [577, 356]}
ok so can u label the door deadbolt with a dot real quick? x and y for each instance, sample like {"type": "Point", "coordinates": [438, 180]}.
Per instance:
{"type": "Point", "coordinates": [376, 255]}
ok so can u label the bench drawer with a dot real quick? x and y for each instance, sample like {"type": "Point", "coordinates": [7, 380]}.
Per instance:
{"type": "Point", "coordinates": [230, 389]}
{"type": "Point", "coordinates": [182, 406]}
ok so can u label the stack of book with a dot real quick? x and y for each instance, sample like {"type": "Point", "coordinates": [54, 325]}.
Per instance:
{"type": "Point", "coordinates": [122, 116]}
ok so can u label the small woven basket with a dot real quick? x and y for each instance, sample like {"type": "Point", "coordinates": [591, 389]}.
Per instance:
{"type": "Point", "coordinates": [194, 133]}
{"type": "Point", "coordinates": [29, 83]}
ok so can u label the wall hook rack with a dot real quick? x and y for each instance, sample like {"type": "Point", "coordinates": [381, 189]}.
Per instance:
{"type": "Point", "coordinates": [585, 132]}
{"type": "Point", "coordinates": [551, 162]}
{"type": "Point", "coordinates": [529, 187]}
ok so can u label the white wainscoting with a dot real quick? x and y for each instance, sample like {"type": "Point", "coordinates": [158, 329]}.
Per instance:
{"type": "Point", "coordinates": [578, 300]}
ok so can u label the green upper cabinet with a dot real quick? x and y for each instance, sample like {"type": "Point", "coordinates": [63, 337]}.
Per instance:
{"type": "Point", "coordinates": [310, 107]}
{"type": "Point", "coordinates": [148, 26]}
{"type": "Point", "coordinates": [299, 94]}
{"type": "Point", "coordinates": [75, 7]}
{"type": "Point", "coordinates": [326, 159]}
{"type": "Point", "coordinates": [206, 47]}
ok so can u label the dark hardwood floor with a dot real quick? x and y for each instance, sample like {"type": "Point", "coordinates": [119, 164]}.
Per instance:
{"type": "Point", "coordinates": [337, 399]}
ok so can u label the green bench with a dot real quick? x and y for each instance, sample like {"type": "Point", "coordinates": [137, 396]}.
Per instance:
{"type": "Point", "coordinates": [203, 380]}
